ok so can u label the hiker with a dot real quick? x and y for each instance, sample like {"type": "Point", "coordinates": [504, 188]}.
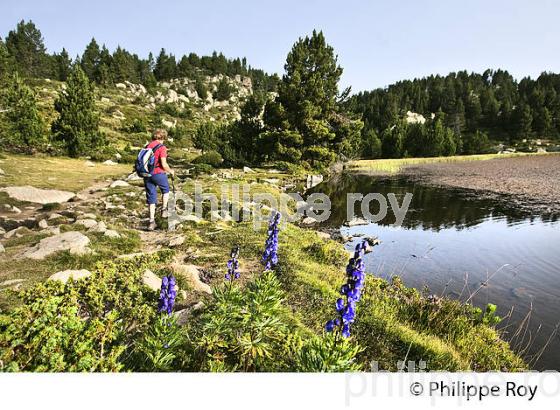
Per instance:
{"type": "Point", "coordinates": [158, 177]}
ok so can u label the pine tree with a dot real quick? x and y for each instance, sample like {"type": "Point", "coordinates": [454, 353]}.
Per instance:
{"type": "Point", "coordinates": [306, 121]}
{"type": "Point", "coordinates": [77, 126]}
{"type": "Point", "coordinates": [62, 65]}
{"type": "Point", "coordinates": [26, 129]}
{"type": "Point", "coordinates": [27, 48]}
{"type": "Point", "coordinates": [91, 59]}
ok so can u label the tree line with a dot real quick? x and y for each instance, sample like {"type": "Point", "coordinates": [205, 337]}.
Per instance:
{"type": "Point", "coordinates": [472, 105]}
{"type": "Point", "coordinates": [24, 51]}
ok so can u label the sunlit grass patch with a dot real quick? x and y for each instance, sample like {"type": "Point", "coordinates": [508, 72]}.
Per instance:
{"type": "Point", "coordinates": [56, 172]}
{"type": "Point", "coordinates": [392, 166]}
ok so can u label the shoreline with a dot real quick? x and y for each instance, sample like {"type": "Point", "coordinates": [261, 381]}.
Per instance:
{"type": "Point", "coordinates": [529, 183]}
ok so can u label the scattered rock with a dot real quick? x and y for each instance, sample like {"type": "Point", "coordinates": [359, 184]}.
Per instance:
{"type": "Point", "coordinates": [109, 162]}
{"type": "Point", "coordinates": [87, 216]}
{"type": "Point", "coordinates": [324, 235]}
{"type": "Point", "coordinates": [119, 184]}
{"type": "Point", "coordinates": [15, 283]}
{"type": "Point", "coordinates": [16, 210]}
{"type": "Point", "coordinates": [2, 173]}
{"type": "Point", "coordinates": [65, 275]}
{"type": "Point", "coordinates": [191, 218]}
{"type": "Point", "coordinates": [90, 164]}
{"type": "Point", "coordinates": [308, 220]}
{"type": "Point", "coordinates": [101, 227]}
{"type": "Point", "coordinates": [74, 242]}
{"type": "Point", "coordinates": [192, 274]}
{"type": "Point", "coordinates": [133, 177]}
{"type": "Point", "coordinates": [151, 280]}
{"type": "Point", "coordinates": [217, 216]}
{"type": "Point", "coordinates": [55, 216]}
{"type": "Point", "coordinates": [272, 181]}
{"type": "Point", "coordinates": [248, 170]}
{"type": "Point", "coordinates": [177, 241]}
{"type": "Point", "coordinates": [2, 249]}
{"type": "Point", "coordinates": [52, 230]}
{"type": "Point", "coordinates": [112, 233]}
{"type": "Point", "coordinates": [43, 224]}
{"type": "Point", "coordinates": [88, 223]}
{"type": "Point", "coordinates": [2, 231]}
{"type": "Point", "coordinates": [356, 222]}
{"type": "Point", "coordinates": [182, 315]}
{"type": "Point", "coordinates": [14, 232]}
{"type": "Point", "coordinates": [36, 195]}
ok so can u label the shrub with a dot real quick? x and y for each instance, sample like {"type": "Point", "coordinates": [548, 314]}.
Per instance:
{"type": "Point", "coordinates": [77, 126]}
{"type": "Point", "coordinates": [244, 330]}
{"type": "Point", "coordinates": [224, 90]}
{"type": "Point", "coordinates": [212, 158]}
{"type": "Point", "coordinates": [85, 325]}
{"type": "Point", "coordinates": [200, 169]}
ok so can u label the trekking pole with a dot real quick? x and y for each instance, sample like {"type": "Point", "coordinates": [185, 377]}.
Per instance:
{"type": "Point", "coordinates": [173, 183]}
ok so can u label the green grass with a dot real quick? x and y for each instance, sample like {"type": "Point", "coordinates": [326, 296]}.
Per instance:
{"type": "Point", "coordinates": [55, 172]}
{"type": "Point", "coordinates": [391, 166]}
{"type": "Point", "coordinates": [393, 322]}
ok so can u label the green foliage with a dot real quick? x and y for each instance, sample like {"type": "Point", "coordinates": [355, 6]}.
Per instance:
{"type": "Point", "coordinates": [492, 102]}
{"type": "Point", "coordinates": [327, 354]}
{"type": "Point", "coordinates": [77, 126]}
{"type": "Point", "coordinates": [158, 349]}
{"type": "Point", "coordinates": [223, 90]}
{"type": "Point", "coordinates": [476, 143]}
{"type": "Point", "coordinates": [212, 158]}
{"type": "Point", "coordinates": [25, 44]}
{"type": "Point", "coordinates": [26, 129]}
{"type": "Point", "coordinates": [305, 120]}
{"type": "Point", "coordinates": [244, 330]}
{"type": "Point", "coordinates": [201, 88]}
{"type": "Point", "coordinates": [84, 325]}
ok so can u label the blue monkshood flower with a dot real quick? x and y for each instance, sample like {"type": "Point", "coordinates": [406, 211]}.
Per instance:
{"type": "Point", "coordinates": [351, 290]}
{"type": "Point", "coordinates": [167, 295]}
{"type": "Point", "coordinates": [270, 254]}
{"type": "Point", "coordinates": [339, 305]}
{"type": "Point", "coordinates": [233, 265]}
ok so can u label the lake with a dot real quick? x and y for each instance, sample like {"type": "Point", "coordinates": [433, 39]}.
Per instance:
{"type": "Point", "coordinates": [466, 247]}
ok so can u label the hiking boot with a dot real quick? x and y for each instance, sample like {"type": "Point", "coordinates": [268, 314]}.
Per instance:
{"type": "Point", "coordinates": [152, 226]}
{"type": "Point", "coordinates": [164, 213]}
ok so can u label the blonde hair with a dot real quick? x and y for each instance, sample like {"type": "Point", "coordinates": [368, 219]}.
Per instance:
{"type": "Point", "coordinates": [159, 134]}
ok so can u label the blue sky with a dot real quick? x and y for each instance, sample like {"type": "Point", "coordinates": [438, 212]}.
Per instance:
{"type": "Point", "coordinates": [378, 42]}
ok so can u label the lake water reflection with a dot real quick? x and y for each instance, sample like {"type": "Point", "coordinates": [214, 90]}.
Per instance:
{"type": "Point", "coordinates": [456, 243]}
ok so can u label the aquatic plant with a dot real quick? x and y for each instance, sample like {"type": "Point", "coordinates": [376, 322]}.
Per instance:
{"type": "Point", "coordinates": [270, 254]}
{"type": "Point", "coordinates": [167, 295]}
{"type": "Point", "coordinates": [350, 291]}
{"type": "Point", "coordinates": [233, 265]}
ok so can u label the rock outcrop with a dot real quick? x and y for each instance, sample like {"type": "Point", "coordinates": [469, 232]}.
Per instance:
{"type": "Point", "coordinates": [36, 195]}
{"type": "Point", "coordinates": [74, 242]}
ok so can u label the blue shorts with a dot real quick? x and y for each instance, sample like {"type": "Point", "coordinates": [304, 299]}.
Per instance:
{"type": "Point", "coordinates": [152, 183]}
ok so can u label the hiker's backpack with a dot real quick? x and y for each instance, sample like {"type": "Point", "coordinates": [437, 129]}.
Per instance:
{"type": "Point", "coordinates": [146, 161]}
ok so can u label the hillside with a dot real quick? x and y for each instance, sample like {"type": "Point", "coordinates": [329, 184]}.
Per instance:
{"type": "Point", "coordinates": [128, 110]}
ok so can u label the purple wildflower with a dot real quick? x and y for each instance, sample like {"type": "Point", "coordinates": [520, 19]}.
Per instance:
{"type": "Point", "coordinates": [233, 265]}
{"type": "Point", "coordinates": [351, 290]}
{"type": "Point", "coordinates": [167, 295]}
{"type": "Point", "coordinates": [270, 254]}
